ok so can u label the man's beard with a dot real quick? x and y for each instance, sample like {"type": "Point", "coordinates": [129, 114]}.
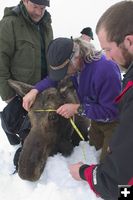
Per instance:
{"type": "Point", "coordinates": [128, 57]}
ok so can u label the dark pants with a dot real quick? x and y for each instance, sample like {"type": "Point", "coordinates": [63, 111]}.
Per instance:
{"type": "Point", "coordinates": [100, 134]}
{"type": "Point", "coordinates": [15, 121]}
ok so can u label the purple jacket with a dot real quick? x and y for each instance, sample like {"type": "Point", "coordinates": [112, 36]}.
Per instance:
{"type": "Point", "coordinates": [97, 86]}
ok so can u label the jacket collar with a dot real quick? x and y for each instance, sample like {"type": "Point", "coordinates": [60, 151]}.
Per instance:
{"type": "Point", "coordinates": [128, 75]}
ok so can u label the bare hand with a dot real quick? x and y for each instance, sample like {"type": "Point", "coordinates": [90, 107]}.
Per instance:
{"type": "Point", "coordinates": [67, 110]}
{"type": "Point", "coordinates": [74, 170]}
{"type": "Point", "coordinates": [29, 99]}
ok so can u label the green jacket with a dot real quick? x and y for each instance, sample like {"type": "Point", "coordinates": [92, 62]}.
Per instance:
{"type": "Point", "coordinates": [20, 48]}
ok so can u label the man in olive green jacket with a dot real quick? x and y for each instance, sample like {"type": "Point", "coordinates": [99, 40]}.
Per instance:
{"type": "Point", "coordinates": [25, 32]}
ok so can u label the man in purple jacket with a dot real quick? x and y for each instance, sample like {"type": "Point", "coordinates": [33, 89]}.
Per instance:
{"type": "Point", "coordinates": [96, 80]}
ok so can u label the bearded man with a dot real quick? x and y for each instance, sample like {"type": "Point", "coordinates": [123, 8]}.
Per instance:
{"type": "Point", "coordinates": [115, 32]}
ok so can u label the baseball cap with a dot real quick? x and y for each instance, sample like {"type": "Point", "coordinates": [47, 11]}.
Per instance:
{"type": "Point", "coordinates": [59, 54]}
{"type": "Point", "coordinates": [41, 2]}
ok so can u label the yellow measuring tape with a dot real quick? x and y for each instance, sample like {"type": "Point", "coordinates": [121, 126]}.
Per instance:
{"type": "Point", "coordinates": [73, 125]}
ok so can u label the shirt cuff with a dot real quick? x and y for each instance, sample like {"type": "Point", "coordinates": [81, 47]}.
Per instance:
{"type": "Point", "coordinates": [81, 171]}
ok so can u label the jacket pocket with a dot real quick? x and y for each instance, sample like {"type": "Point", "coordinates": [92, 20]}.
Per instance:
{"type": "Point", "coordinates": [23, 62]}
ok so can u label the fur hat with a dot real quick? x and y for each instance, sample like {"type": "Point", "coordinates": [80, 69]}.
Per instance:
{"type": "Point", "coordinates": [88, 31]}
{"type": "Point", "coordinates": [59, 55]}
{"type": "Point", "coordinates": [41, 2]}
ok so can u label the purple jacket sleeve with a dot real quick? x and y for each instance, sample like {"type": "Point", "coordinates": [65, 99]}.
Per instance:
{"type": "Point", "coordinates": [45, 83]}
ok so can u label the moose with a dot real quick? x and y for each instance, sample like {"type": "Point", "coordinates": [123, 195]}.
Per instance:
{"type": "Point", "coordinates": [50, 133]}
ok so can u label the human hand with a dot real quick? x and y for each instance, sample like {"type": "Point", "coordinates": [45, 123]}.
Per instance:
{"type": "Point", "coordinates": [29, 99]}
{"type": "Point", "coordinates": [67, 110]}
{"type": "Point", "coordinates": [74, 170]}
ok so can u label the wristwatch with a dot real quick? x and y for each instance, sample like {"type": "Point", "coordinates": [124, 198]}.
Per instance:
{"type": "Point", "coordinates": [80, 110]}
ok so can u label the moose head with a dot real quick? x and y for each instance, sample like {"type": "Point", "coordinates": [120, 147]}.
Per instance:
{"type": "Point", "coordinates": [50, 133]}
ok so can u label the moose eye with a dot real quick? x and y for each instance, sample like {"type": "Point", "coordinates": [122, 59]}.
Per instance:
{"type": "Point", "coordinates": [53, 116]}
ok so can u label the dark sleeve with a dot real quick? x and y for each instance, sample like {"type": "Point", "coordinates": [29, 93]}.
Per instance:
{"type": "Point", "coordinates": [117, 167]}
{"type": "Point", "coordinates": [86, 173]}
{"type": "Point", "coordinates": [100, 182]}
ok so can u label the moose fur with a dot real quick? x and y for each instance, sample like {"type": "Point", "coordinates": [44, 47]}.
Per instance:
{"type": "Point", "coordinates": [50, 133]}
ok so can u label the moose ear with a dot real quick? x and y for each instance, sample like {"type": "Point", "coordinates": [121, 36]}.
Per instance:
{"type": "Point", "coordinates": [21, 88]}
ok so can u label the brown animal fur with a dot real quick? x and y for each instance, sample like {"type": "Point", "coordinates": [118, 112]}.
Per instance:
{"type": "Point", "coordinates": [69, 95]}
{"type": "Point", "coordinates": [50, 133]}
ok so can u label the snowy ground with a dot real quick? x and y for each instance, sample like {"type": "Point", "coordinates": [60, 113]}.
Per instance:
{"type": "Point", "coordinates": [55, 183]}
